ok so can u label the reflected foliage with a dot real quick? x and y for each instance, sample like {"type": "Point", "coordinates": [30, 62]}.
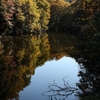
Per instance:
{"type": "Point", "coordinates": [19, 56]}
{"type": "Point", "coordinates": [90, 74]}
{"type": "Point", "coordinates": [62, 44]}
{"type": "Point", "coordinates": [86, 51]}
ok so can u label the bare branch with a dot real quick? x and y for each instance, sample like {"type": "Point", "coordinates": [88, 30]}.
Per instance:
{"type": "Point", "coordinates": [56, 90]}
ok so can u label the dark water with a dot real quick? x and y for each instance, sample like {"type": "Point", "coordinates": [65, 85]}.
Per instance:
{"type": "Point", "coordinates": [55, 66]}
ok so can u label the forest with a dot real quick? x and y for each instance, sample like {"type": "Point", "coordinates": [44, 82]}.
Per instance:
{"type": "Point", "coordinates": [23, 16]}
{"type": "Point", "coordinates": [36, 16]}
{"type": "Point", "coordinates": [73, 28]}
{"type": "Point", "coordinates": [78, 16]}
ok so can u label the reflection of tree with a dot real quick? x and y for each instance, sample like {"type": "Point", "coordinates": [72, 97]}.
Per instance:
{"type": "Point", "coordinates": [44, 48]}
{"type": "Point", "coordinates": [90, 80]}
{"type": "Point", "coordinates": [55, 91]}
{"type": "Point", "coordinates": [62, 44]}
{"type": "Point", "coordinates": [18, 61]}
{"type": "Point", "coordinates": [86, 50]}
{"type": "Point", "coordinates": [89, 58]}
{"type": "Point", "coordinates": [89, 85]}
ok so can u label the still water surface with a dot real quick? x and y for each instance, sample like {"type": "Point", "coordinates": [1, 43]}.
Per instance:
{"type": "Point", "coordinates": [54, 70]}
{"type": "Point", "coordinates": [29, 64]}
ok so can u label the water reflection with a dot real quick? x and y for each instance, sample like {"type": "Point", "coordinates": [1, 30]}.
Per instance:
{"type": "Point", "coordinates": [20, 58]}
{"type": "Point", "coordinates": [50, 72]}
{"type": "Point", "coordinates": [86, 51]}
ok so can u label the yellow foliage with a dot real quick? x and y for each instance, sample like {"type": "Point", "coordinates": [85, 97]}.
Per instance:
{"type": "Point", "coordinates": [60, 3]}
{"type": "Point", "coordinates": [20, 54]}
{"type": "Point", "coordinates": [20, 2]}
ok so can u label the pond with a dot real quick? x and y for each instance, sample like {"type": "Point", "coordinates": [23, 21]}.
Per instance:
{"type": "Point", "coordinates": [51, 71]}
{"type": "Point", "coordinates": [54, 66]}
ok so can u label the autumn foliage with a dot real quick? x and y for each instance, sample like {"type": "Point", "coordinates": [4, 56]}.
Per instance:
{"type": "Point", "coordinates": [78, 16]}
{"type": "Point", "coordinates": [23, 16]}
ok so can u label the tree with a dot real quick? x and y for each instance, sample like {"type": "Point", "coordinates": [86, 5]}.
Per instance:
{"type": "Point", "coordinates": [44, 7]}
{"type": "Point", "coordinates": [57, 10]}
{"type": "Point", "coordinates": [7, 10]}
{"type": "Point", "coordinates": [24, 16]}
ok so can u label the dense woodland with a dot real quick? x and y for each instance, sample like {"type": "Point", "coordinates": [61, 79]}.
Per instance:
{"type": "Point", "coordinates": [79, 20]}
{"type": "Point", "coordinates": [34, 16]}
{"type": "Point", "coordinates": [76, 16]}
{"type": "Point", "coordinates": [23, 16]}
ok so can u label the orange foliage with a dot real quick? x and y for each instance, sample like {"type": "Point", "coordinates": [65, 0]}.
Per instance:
{"type": "Point", "coordinates": [9, 7]}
